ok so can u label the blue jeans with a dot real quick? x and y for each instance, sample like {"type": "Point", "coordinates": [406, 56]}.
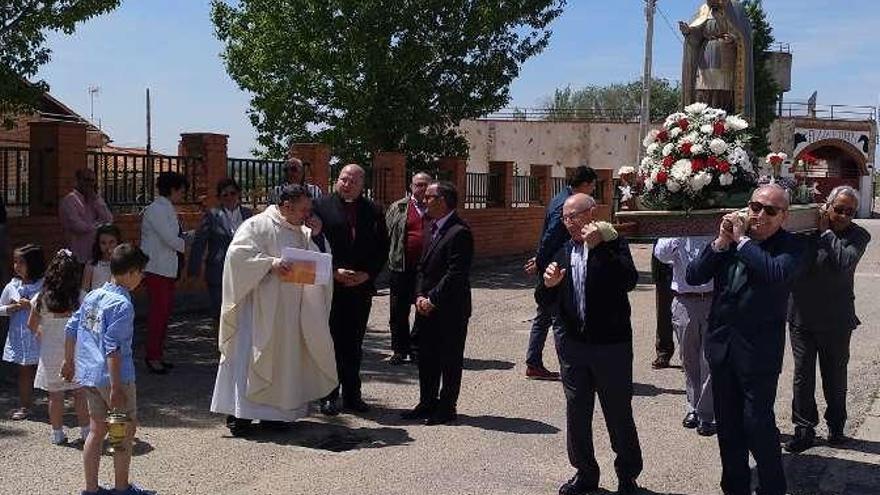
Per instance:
{"type": "Point", "coordinates": [544, 318]}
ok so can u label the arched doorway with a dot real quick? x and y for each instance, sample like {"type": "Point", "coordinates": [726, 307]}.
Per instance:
{"type": "Point", "coordinates": [837, 159]}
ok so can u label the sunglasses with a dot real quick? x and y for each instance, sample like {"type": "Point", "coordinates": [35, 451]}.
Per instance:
{"type": "Point", "coordinates": [770, 210]}
{"type": "Point", "coordinates": [844, 210]}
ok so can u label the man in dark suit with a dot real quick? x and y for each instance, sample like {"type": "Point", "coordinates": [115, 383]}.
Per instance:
{"type": "Point", "coordinates": [443, 305]}
{"type": "Point", "coordinates": [587, 284]}
{"type": "Point", "coordinates": [214, 235]}
{"type": "Point", "coordinates": [553, 236]}
{"type": "Point", "coordinates": [822, 318]}
{"type": "Point", "coordinates": [753, 262]}
{"type": "Point", "coordinates": [355, 229]}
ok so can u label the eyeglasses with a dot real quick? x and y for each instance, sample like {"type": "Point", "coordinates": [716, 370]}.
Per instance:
{"type": "Point", "coordinates": [770, 210]}
{"type": "Point", "coordinates": [844, 210]}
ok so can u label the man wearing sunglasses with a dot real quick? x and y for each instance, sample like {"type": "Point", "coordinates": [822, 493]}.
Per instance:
{"type": "Point", "coordinates": [753, 262]}
{"type": "Point", "coordinates": [822, 317]}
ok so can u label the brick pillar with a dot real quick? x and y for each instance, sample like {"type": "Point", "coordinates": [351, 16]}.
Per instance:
{"type": "Point", "coordinates": [58, 150]}
{"type": "Point", "coordinates": [212, 149]}
{"type": "Point", "coordinates": [544, 176]}
{"type": "Point", "coordinates": [455, 171]}
{"type": "Point", "coordinates": [389, 177]}
{"type": "Point", "coordinates": [316, 161]}
{"type": "Point", "coordinates": [503, 172]}
{"type": "Point", "coordinates": [604, 192]}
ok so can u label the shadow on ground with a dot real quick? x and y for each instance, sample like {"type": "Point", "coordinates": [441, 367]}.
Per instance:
{"type": "Point", "coordinates": [810, 474]}
{"type": "Point", "coordinates": [332, 437]}
{"type": "Point", "coordinates": [648, 390]}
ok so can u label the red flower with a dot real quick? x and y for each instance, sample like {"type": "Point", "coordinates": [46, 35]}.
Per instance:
{"type": "Point", "coordinates": [775, 160]}
{"type": "Point", "coordinates": [698, 164]}
{"type": "Point", "coordinates": [686, 148]}
{"type": "Point", "coordinates": [712, 162]}
{"type": "Point", "coordinates": [668, 161]}
{"type": "Point", "coordinates": [661, 177]}
{"type": "Point", "coordinates": [662, 136]}
{"type": "Point", "coordinates": [718, 128]}
{"type": "Point", "coordinates": [684, 124]}
{"type": "Point", "coordinates": [723, 167]}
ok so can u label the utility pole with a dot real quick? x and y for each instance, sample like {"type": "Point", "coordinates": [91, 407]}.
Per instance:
{"type": "Point", "coordinates": [647, 79]}
{"type": "Point", "coordinates": [149, 130]}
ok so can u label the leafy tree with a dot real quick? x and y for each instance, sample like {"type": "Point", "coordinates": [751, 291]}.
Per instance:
{"type": "Point", "coordinates": [370, 75]}
{"type": "Point", "coordinates": [766, 89]}
{"type": "Point", "coordinates": [23, 28]}
{"type": "Point", "coordinates": [619, 101]}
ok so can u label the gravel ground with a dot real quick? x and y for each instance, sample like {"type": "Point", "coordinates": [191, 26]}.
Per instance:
{"type": "Point", "coordinates": [509, 439]}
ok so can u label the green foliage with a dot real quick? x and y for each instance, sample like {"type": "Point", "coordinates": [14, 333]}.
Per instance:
{"type": "Point", "coordinates": [23, 28]}
{"type": "Point", "coordinates": [766, 89]}
{"type": "Point", "coordinates": [370, 75]}
{"type": "Point", "coordinates": [615, 101]}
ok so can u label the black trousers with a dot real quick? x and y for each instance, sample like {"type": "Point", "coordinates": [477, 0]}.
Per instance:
{"type": "Point", "coordinates": [832, 349]}
{"type": "Point", "coordinates": [403, 289]}
{"type": "Point", "coordinates": [441, 359]}
{"type": "Point", "coordinates": [589, 370]}
{"type": "Point", "coordinates": [746, 423]}
{"type": "Point", "coordinates": [348, 325]}
{"type": "Point", "coordinates": [662, 275]}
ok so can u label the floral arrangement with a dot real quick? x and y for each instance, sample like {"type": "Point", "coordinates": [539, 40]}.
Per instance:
{"type": "Point", "coordinates": [775, 161]}
{"type": "Point", "coordinates": [796, 179]}
{"type": "Point", "coordinates": [697, 159]}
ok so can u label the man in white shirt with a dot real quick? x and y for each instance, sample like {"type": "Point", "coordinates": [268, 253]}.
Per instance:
{"type": "Point", "coordinates": [690, 319]}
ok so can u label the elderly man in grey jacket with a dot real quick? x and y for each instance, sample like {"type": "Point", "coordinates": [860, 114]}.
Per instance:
{"type": "Point", "coordinates": [822, 317]}
{"type": "Point", "coordinates": [406, 224]}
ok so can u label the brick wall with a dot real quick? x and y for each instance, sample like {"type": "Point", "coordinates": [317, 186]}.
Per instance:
{"type": "Point", "coordinates": [504, 231]}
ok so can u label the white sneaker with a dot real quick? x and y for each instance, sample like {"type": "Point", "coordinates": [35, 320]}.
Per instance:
{"type": "Point", "coordinates": [58, 437]}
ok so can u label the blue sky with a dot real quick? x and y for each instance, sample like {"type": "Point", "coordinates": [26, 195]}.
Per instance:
{"type": "Point", "coordinates": [169, 46]}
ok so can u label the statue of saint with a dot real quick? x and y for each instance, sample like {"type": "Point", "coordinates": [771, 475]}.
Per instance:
{"type": "Point", "coordinates": [718, 67]}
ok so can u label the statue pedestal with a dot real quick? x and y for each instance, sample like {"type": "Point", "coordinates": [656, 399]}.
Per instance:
{"type": "Point", "coordinates": [652, 224]}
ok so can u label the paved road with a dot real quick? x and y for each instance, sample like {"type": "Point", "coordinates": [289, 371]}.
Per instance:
{"type": "Point", "coordinates": [510, 438]}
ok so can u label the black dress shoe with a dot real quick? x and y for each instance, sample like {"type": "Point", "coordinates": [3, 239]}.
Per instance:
{"type": "Point", "coordinates": [421, 411]}
{"type": "Point", "coordinates": [578, 485]}
{"type": "Point", "coordinates": [627, 487]}
{"type": "Point", "coordinates": [804, 438]}
{"type": "Point", "coordinates": [156, 367]}
{"type": "Point", "coordinates": [441, 417]}
{"type": "Point", "coordinates": [397, 359]}
{"type": "Point", "coordinates": [660, 363]}
{"type": "Point", "coordinates": [706, 429]}
{"type": "Point", "coordinates": [238, 427]}
{"type": "Point", "coordinates": [328, 407]}
{"type": "Point", "coordinates": [357, 405]}
{"type": "Point", "coordinates": [836, 436]}
{"type": "Point", "coordinates": [690, 420]}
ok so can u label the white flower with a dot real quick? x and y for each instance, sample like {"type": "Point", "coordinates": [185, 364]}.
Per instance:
{"type": "Point", "coordinates": [652, 148]}
{"type": "Point", "coordinates": [647, 162]}
{"type": "Point", "coordinates": [651, 137]}
{"type": "Point", "coordinates": [681, 170]}
{"type": "Point", "coordinates": [697, 149]}
{"type": "Point", "coordinates": [673, 119]}
{"type": "Point", "coordinates": [696, 108]}
{"type": "Point", "coordinates": [673, 186]}
{"type": "Point", "coordinates": [667, 150]}
{"type": "Point", "coordinates": [739, 157]}
{"type": "Point", "coordinates": [707, 129]}
{"type": "Point", "coordinates": [691, 137]}
{"type": "Point", "coordinates": [735, 123]}
{"type": "Point", "coordinates": [674, 133]}
{"type": "Point", "coordinates": [649, 183]}
{"type": "Point", "coordinates": [700, 180]}
{"type": "Point", "coordinates": [725, 179]}
{"type": "Point", "coordinates": [626, 169]}
{"type": "Point", "coordinates": [718, 146]}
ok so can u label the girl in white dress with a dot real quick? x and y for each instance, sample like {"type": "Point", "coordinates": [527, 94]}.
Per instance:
{"type": "Point", "coordinates": [51, 308]}
{"type": "Point", "coordinates": [22, 347]}
{"type": "Point", "coordinates": [97, 273]}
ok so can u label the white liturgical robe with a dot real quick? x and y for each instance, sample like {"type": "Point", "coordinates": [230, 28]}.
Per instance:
{"type": "Point", "coordinates": [275, 345]}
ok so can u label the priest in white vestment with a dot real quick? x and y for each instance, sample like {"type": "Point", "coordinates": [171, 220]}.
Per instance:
{"type": "Point", "coordinates": [275, 345]}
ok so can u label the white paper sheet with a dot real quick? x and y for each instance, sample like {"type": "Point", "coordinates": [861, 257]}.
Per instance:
{"type": "Point", "coordinates": [323, 262]}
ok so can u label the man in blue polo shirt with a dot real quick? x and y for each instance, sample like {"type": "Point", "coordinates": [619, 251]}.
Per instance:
{"type": "Point", "coordinates": [98, 356]}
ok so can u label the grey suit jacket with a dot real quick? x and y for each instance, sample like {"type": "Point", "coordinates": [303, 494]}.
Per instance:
{"type": "Point", "coordinates": [822, 298]}
{"type": "Point", "coordinates": [213, 237]}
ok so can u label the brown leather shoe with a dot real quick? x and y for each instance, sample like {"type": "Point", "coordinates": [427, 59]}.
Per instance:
{"type": "Point", "coordinates": [540, 373]}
